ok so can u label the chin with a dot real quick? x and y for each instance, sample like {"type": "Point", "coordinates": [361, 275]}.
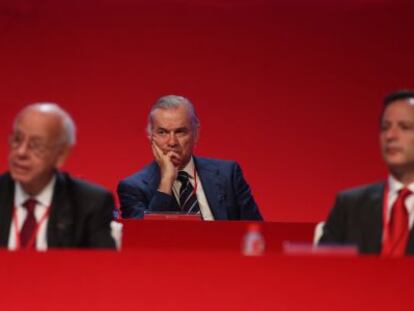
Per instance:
{"type": "Point", "coordinates": [21, 179]}
{"type": "Point", "coordinates": [394, 160]}
{"type": "Point", "coordinates": [177, 163]}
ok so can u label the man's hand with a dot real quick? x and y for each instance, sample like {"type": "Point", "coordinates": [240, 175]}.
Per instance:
{"type": "Point", "coordinates": [167, 168]}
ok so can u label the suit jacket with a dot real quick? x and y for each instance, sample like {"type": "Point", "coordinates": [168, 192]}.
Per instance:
{"type": "Point", "coordinates": [357, 219]}
{"type": "Point", "coordinates": [80, 214]}
{"type": "Point", "coordinates": [228, 195]}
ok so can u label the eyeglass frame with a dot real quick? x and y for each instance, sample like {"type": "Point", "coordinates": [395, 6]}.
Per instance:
{"type": "Point", "coordinates": [38, 148]}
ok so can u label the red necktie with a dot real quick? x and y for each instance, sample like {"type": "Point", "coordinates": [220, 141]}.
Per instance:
{"type": "Point", "coordinates": [29, 224]}
{"type": "Point", "coordinates": [396, 242]}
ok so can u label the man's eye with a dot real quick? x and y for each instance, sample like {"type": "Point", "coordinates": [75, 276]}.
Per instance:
{"type": "Point", "coordinates": [182, 132]}
{"type": "Point", "coordinates": [37, 145]}
{"type": "Point", "coordinates": [384, 127]}
{"type": "Point", "coordinates": [17, 139]}
{"type": "Point", "coordinates": [406, 126]}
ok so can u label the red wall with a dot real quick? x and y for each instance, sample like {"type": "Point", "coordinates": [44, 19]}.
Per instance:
{"type": "Point", "coordinates": [291, 90]}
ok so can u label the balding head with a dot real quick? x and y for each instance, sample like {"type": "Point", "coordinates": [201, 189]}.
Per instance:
{"type": "Point", "coordinates": [68, 127]}
{"type": "Point", "coordinates": [42, 136]}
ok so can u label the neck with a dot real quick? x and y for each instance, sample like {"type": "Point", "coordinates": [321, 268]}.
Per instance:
{"type": "Point", "coordinates": [181, 167]}
{"type": "Point", "coordinates": [32, 190]}
{"type": "Point", "coordinates": [35, 188]}
{"type": "Point", "coordinates": [404, 176]}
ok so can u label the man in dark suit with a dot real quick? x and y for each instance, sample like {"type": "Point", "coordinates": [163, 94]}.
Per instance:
{"type": "Point", "coordinates": [176, 181]}
{"type": "Point", "coordinates": [378, 218]}
{"type": "Point", "coordinates": [41, 208]}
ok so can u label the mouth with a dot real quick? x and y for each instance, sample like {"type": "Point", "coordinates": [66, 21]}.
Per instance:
{"type": "Point", "coordinates": [393, 150]}
{"type": "Point", "coordinates": [19, 168]}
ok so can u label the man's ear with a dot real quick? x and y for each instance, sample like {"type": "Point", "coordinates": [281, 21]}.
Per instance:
{"type": "Point", "coordinates": [196, 135]}
{"type": "Point", "coordinates": [62, 156]}
{"type": "Point", "coordinates": [150, 138]}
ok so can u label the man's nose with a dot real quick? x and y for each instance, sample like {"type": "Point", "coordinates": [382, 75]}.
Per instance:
{"type": "Point", "coordinates": [172, 139]}
{"type": "Point", "coordinates": [23, 148]}
{"type": "Point", "coordinates": [391, 133]}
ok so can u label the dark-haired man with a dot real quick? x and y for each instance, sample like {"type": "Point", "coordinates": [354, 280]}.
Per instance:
{"type": "Point", "coordinates": [378, 218]}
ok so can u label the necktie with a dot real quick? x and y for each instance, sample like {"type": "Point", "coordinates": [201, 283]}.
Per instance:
{"type": "Point", "coordinates": [29, 224]}
{"type": "Point", "coordinates": [398, 232]}
{"type": "Point", "coordinates": [188, 199]}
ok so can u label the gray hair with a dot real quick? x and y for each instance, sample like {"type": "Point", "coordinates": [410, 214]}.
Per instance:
{"type": "Point", "coordinates": [68, 125]}
{"type": "Point", "coordinates": [172, 102]}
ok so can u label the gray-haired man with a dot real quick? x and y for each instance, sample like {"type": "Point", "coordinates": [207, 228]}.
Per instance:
{"type": "Point", "coordinates": [177, 180]}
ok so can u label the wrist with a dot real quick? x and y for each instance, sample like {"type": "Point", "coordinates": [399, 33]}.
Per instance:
{"type": "Point", "coordinates": [166, 184]}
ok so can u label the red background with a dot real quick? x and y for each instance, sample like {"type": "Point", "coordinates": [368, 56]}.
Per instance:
{"type": "Point", "coordinates": [291, 90]}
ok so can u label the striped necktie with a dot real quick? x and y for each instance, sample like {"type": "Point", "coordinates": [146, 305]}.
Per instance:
{"type": "Point", "coordinates": [188, 199]}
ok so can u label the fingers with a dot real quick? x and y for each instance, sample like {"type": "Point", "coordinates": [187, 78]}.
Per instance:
{"type": "Point", "coordinates": [165, 158]}
{"type": "Point", "coordinates": [158, 153]}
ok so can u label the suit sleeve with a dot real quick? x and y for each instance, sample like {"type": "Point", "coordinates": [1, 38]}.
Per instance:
{"type": "Point", "coordinates": [247, 205]}
{"type": "Point", "coordinates": [134, 201]}
{"type": "Point", "coordinates": [99, 223]}
{"type": "Point", "coordinates": [335, 226]}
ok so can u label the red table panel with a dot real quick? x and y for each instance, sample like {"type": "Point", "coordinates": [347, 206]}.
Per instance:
{"type": "Point", "coordinates": [211, 235]}
{"type": "Point", "coordinates": [202, 280]}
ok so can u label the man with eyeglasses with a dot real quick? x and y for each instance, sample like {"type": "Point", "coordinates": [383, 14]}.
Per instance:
{"type": "Point", "coordinates": [40, 207]}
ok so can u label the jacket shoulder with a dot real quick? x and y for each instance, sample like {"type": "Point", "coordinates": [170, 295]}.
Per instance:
{"type": "Point", "coordinates": [203, 161]}
{"type": "Point", "coordinates": [363, 190]}
{"type": "Point", "coordinates": [81, 187]}
{"type": "Point", "coordinates": [144, 173]}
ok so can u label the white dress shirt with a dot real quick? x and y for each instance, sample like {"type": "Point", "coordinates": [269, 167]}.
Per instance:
{"type": "Point", "coordinates": [44, 201]}
{"type": "Point", "coordinates": [201, 197]}
{"type": "Point", "coordinates": [394, 187]}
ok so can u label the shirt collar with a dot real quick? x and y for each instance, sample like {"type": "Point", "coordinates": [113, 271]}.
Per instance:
{"type": "Point", "coordinates": [189, 168]}
{"type": "Point", "coordinates": [395, 185]}
{"type": "Point", "coordinates": [44, 198]}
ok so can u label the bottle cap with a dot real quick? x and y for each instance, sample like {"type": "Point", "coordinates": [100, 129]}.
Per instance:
{"type": "Point", "coordinates": [253, 227]}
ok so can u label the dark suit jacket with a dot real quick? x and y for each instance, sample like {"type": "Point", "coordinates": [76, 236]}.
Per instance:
{"type": "Point", "coordinates": [228, 195]}
{"type": "Point", "coordinates": [79, 217]}
{"type": "Point", "coordinates": [357, 219]}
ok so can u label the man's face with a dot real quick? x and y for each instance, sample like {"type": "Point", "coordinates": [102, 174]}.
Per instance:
{"type": "Point", "coordinates": [397, 135]}
{"type": "Point", "coordinates": [35, 149]}
{"type": "Point", "coordinates": [172, 130]}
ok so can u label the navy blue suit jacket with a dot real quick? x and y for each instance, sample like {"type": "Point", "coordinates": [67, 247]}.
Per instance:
{"type": "Point", "coordinates": [356, 219]}
{"type": "Point", "coordinates": [228, 195]}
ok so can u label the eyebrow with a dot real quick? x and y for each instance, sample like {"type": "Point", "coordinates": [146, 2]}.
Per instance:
{"type": "Point", "coordinates": [183, 128]}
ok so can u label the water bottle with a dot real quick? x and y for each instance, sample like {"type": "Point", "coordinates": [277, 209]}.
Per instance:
{"type": "Point", "coordinates": [253, 242]}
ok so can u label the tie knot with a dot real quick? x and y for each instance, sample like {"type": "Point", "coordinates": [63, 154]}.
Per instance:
{"type": "Point", "coordinates": [30, 205]}
{"type": "Point", "coordinates": [183, 177]}
{"type": "Point", "coordinates": [404, 193]}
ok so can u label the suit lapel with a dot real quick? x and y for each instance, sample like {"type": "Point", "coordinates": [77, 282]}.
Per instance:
{"type": "Point", "coordinates": [213, 187]}
{"type": "Point", "coordinates": [6, 208]}
{"type": "Point", "coordinates": [61, 214]}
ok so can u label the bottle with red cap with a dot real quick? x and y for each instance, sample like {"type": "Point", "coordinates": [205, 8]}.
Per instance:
{"type": "Point", "coordinates": [253, 242]}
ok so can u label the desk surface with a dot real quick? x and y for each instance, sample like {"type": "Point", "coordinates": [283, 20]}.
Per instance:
{"type": "Point", "coordinates": [201, 280]}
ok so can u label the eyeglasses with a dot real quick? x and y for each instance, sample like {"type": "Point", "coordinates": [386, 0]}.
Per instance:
{"type": "Point", "coordinates": [34, 145]}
